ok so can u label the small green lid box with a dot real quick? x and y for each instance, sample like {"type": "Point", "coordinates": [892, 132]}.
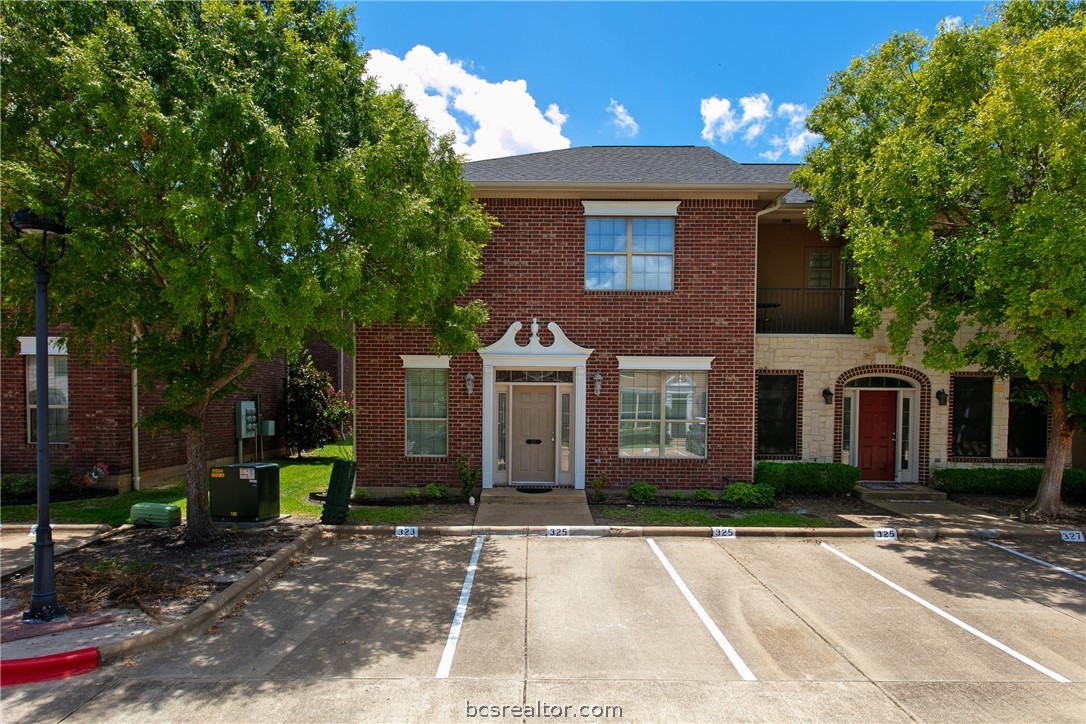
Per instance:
{"type": "Point", "coordinates": [155, 515]}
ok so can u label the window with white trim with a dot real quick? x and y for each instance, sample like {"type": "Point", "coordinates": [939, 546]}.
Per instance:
{"type": "Point", "coordinates": [427, 411]}
{"type": "Point", "coordinates": [629, 253]}
{"type": "Point", "coordinates": [662, 413]}
{"type": "Point", "coordinates": [57, 402]}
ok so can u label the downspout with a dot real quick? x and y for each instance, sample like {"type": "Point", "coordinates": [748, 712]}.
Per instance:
{"type": "Point", "coordinates": [135, 428]}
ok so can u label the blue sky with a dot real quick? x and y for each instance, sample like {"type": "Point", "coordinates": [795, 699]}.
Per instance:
{"type": "Point", "coordinates": [511, 77]}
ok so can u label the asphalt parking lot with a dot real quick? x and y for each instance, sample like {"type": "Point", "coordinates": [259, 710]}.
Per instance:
{"type": "Point", "coordinates": [631, 629]}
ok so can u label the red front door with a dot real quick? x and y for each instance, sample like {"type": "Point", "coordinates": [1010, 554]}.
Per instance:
{"type": "Point", "coordinates": [877, 434]}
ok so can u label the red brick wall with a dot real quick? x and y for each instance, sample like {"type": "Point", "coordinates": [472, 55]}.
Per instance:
{"type": "Point", "coordinates": [100, 419]}
{"type": "Point", "coordinates": [534, 267]}
{"type": "Point", "coordinates": [331, 360]}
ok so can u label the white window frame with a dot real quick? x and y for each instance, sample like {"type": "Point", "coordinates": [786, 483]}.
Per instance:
{"type": "Point", "coordinates": [666, 365]}
{"type": "Point", "coordinates": [28, 350]}
{"type": "Point", "coordinates": [629, 210]}
{"type": "Point", "coordinates": [419, 363]}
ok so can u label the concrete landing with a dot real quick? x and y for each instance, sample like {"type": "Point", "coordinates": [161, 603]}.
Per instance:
{"type": "Point", "coordinates": [509, 506]}
{"type": "Point", "coordinates": [902, 493]}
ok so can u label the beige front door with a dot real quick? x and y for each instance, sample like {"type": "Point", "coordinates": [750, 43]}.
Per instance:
{"type": "Point", "coordinates": [533, 434]}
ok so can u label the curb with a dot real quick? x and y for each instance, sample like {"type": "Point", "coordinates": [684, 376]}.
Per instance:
{"type": "Point", "coordinates": [625, 531]}
{"type": "Point", "coordinates": [221, 601]}
{"type": "Point", "coordinates": [44, 668]}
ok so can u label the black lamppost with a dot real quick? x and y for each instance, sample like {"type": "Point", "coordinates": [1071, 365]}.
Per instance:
{"type": "Point", "coordinates": [43, 601]}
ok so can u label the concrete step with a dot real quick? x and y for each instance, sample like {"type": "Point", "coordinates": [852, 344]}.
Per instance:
{"type": "Point", "coordinates": [905, 494]}
{"type": "Point", "coordinates": [534, 496]}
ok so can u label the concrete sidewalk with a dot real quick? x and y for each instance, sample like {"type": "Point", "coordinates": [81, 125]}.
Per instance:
{"type": "Point", "coordinates": [17, 544]}
{"type": "Point", "coordinates": [499, 507]}
{"type": "Point", "coordinates": [948, 515]}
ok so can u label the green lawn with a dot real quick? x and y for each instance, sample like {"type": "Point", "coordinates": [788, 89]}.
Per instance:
{"type": "Point", "coordinates": [650, 515]}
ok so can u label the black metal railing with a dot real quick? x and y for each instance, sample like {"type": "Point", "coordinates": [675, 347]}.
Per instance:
{"type": "Point", "coordinates": [806, 311]}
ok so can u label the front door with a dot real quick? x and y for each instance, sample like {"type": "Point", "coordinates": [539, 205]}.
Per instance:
{"type": "Point", "coordinates": [533, 434]}
{"type": "Point", "coordinates": [876, 443]}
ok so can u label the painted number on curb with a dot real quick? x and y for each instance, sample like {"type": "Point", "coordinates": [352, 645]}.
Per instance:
{"type": "Point", "coordinates": [723, 532]}
{"type": "Point", "coordinates": [1072, 536]}
{"type": "Point", "coordinates": [557, 531]}
{"type": "Point", "coordinates": [886, 534]}
{"type": "Point", "coordinates": [407, 531]}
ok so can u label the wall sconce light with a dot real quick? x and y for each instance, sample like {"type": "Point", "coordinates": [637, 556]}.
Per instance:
{"type": "Point", "coordinates": [827, 395]}
{"type": "Point", "coordinates": [597, 383]}
{"type": "Point", "coordinates": [941, 396]}
{"type": "Point", "coordinates": [469, 383]}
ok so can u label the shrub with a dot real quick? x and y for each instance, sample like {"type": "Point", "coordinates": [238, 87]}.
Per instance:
{"type": "Point", "coordinates": [599, 487]}
{"type": "Point", "coordinates": [701, 495]}
{"type": "Point", "coordinates": [413, 495]}
{"type": "Point", "coordinates": [17, 485]}
{"type": "Point", "coordinates": [433, 491]}
{"type": "Point", "coordinates": [748, 495]}
{"type": "Point", "coordinates": [808, 478]}
{"type": "Point", "coordinates": [468, 477]}
{"type": "Point", "coordinates": [1008, 481]}
{"type": "Point", "coordinates": [308, 400]}
{"type": "Point", "coordinates": [641, 493]}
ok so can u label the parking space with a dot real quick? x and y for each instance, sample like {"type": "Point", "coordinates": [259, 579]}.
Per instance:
{"type": "Point", "coordinates": [816, 630]}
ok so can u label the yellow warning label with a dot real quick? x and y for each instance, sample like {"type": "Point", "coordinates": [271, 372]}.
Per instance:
{"type": "Point", "coordinates": [218, 473]}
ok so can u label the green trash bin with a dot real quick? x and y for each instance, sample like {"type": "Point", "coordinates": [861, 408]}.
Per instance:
{"type": "Point", "coordinates": [338, 500]}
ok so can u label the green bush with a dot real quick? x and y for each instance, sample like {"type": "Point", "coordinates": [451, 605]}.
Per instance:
{"type": "Point", "coordinates": [701, 495]}
{"type": "Point", "coordinates": [641, 493]}
{"type": "Point", "coordinates": [748, 495]}
{"type": "Point", "coordinates": [599, 487]}
{"type": "Point", "coordinates": [1008, 481]}
{"type": "Point", "coordinates": [433, 491]}
{"type": "Point", "coordinates": [413, 495]}
{"type": "Point", "coordinates": [18, 485]}
{"type": "Point", "coordinates": [309, 394]}
{"type": "Point", "coordinates": [468, 477]}
{"type": "Point", "coordinates": [807, 478]}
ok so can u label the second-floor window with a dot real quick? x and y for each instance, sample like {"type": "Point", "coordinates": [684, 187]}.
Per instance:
{"type": "Point", "coordinates": [819, 269]}
{"type": "Point", "coordinates": [629, 254]}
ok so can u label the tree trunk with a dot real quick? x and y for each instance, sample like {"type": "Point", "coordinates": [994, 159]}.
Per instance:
{"type": "Point", "coordinates": [1048, 503]}
{"type": "Point", "coordinates": [198, 525]}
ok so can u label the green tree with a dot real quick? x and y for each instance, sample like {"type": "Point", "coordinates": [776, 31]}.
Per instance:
{"type": "Point", "coordinates": [956, 170]}
{"type": "Point", "coordinates": [234, 181]}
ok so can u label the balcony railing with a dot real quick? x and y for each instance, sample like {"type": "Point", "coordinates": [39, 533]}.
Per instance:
{"type": "Point", "coordinates": [806, 311]}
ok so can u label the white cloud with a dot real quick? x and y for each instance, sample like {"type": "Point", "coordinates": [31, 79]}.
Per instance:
{"type": "Point", "coordinates": [488, 119]}
{"type": "Point", "coordinates": [622, 120]}
{"type": "Point", "coordinates": [950, 23]}
{"type": "Point", "coordinates": [787, 124]}
{"type": "Point", "coordinates": [757, 110]}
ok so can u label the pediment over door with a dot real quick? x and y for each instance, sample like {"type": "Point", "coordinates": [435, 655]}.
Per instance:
{"type": "Point", "coordinates": [560, 353]}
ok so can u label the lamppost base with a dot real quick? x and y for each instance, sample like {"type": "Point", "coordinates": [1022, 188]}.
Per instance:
{"type": "Point", "coordinates": [45, 613]}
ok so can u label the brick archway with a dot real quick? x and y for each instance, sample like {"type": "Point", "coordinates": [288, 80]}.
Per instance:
{"type": "Point", "coordinates": [923, 424]}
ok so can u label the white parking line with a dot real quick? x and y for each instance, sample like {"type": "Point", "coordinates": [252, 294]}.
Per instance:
{"type": "Point", "coordinates": [1037, 560]}
{"type": "Point", "coordinates": [729, 651]}
{"type": "Point", "coordinates": [957, 622]}
{"type": "Point", "coordinates": [458, 617]}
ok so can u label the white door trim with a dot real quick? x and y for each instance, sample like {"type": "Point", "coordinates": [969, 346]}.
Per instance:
{"type": "Point", "coordinates": [562, 354]}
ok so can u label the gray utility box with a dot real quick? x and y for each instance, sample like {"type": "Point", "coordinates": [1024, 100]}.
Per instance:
{"type": "Point", "coordinates": [244, 492]}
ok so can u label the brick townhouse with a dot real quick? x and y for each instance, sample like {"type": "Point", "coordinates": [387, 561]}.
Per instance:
{"type": "Point", "coordinates": [95, 409]}
{"type": "Point", "coordinates": [663, 314]}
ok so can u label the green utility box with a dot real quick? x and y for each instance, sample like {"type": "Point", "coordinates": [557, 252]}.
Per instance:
{"type": "Point", "coordinates": [244, 492]}
{"type": "Point", "coordinates": [155, 515]}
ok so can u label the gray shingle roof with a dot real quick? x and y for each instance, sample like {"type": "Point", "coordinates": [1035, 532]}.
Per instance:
{"type": "Point", "coordinates": [626, 165]}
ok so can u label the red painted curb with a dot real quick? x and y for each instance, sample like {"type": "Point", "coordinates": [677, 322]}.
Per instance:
{"type": "Point", "coordinates": [43, 668]}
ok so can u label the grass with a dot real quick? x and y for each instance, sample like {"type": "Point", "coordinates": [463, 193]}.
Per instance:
{"type": "Point", "coordinates": [297, 479]}
{"type": "Point", "coordinates": [650, 515]}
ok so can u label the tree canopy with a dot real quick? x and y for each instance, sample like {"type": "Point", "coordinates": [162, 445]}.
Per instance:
{"type": "Point", "coordinates": [955, 168]}
{"type": "Point", "coordinates": [235, 184]}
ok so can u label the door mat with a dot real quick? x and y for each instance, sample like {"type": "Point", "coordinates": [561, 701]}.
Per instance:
{"type": "Point", "coordinates": [12, 627]}
{"type": "Point", "coordinates": [534, 489]}
{"type": "Point", "coordinates": [888, 486]}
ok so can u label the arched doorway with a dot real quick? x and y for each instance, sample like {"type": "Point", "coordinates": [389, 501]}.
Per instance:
{"type": "Point", "coordinates": [881, 424]}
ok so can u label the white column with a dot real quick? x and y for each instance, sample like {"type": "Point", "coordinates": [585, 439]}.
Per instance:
{"type": "Point", "coordinates": [580, 401]}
